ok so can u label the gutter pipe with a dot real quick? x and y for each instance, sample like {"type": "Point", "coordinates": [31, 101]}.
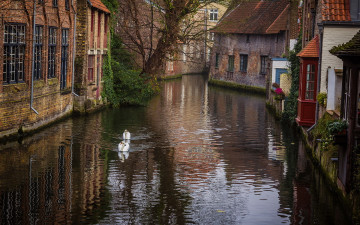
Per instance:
{"type": "Point", "coordinates": [33, 62]}
{"type": "Point", "coordinates": [74, 49]}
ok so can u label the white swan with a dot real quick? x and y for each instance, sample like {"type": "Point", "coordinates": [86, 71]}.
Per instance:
{"type": "Point", "coordinates": [123, 156]}
{"type": "Point", "coordinates": [126, 135]}
{"type": "Point", "coordinates": [123, 147]}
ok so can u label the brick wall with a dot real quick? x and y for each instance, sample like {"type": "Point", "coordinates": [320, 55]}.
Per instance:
{"type": "Point", "coordinates": [48, 100]}
{"type": "Point", "coordinates": [255, 47]}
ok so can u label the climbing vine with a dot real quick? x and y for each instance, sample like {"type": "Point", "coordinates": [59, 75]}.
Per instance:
{"type": "Point", "coordinates": [290, 111]}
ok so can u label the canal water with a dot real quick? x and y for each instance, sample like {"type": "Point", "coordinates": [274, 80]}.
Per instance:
{"type": "Point", "coordinates": [198, 155]}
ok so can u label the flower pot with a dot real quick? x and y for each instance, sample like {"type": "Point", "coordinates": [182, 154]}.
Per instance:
{"type": "Point", "coordinates": [340, 139]}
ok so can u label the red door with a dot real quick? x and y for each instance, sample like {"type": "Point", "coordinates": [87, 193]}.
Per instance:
{"type": "Point", "coordinates": [307, 91]}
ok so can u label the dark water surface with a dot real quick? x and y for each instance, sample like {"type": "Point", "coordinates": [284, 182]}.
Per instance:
{"type": "Point", "coordinates": [198, 155]}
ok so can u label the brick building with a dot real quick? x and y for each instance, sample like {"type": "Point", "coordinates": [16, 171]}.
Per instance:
{"type": "Point", "coordinates": [91, 48]}
{"type": "Point", "coordinates": [247, 38]}
{"type": "Point", "coordinates": [36, 62]}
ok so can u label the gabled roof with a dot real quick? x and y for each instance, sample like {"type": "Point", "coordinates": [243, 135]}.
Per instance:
{"type": "Point", "coordinates": [311, 49]}
{"type": "Point", "coordinates": [351, 48]}
{"type": "Point", "coordinates": [99, 5]}
{"type": "Point", "coordinates": [335, 10]}
{"type": "Point", "coordinates": [255, 17]}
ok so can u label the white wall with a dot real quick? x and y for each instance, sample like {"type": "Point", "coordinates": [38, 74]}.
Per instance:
{"type": "Point", "coordinates": [278, 65]}
{"type": "Point", "coordinates": [333, 36]}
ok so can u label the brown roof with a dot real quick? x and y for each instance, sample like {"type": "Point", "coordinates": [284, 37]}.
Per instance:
{"type": "Point", "coordinates": [311, 49]}
{"type": "Point", "coordinates": [351, 48]}
{"type": "Point", "coordinates": [255, 17]}
{"type": "Point", "coordinates": [99, 5]}
{"type": "Point", "coordinates": [335, 10]}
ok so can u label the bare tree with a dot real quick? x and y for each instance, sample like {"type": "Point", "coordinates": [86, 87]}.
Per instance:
{"type": "Point", "coordinates": [156, 29]}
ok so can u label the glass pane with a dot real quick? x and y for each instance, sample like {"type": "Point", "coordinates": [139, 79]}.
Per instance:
{"type": "Point", "coordinates": [358, 101]}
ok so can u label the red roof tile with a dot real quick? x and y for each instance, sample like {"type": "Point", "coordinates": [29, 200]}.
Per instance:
{"type": "Point", "coordinates": [280, 22]}
{"type": "Point", "coordinates": [311, 49]}
{"type": "Point", "coordinates": [99, 5]}
{"type": "Point", "coordinates": [255, 17]}
{"type": "Point", "coordinates": [335, 10]}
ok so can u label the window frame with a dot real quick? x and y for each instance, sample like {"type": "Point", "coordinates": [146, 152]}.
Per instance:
{"type": "Point", "coordinates": [64, 57]}
{"type": "Point", "coordinates": [243, 62]}
{"type": "Point", "coordinates": [213, 14]}
{"type": "Point", "coordinates": [231, 65]}
{"type": "Point", "coordinates": [52, 44]}
{"type": "Point", "coordinates": [37, 57]}
{"type": "Point", "coordinates": [14, 46]}
{"type": "Point", "coordinates": [217, 57]}
{"type": "Point", "coordinates": [310, 81]}
{"type": "Point", "coordinates": [263, 64]}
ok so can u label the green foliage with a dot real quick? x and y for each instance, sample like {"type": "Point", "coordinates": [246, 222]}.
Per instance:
{"type": "Point", "coordinates": [325, 130]}
{"type": "Point", "coordinates": [321, 132]}
{"type": "Point", "coordinates": [337, 126]}
{"type": "Point", "coordinates": [122, 84]}
{"type": "Point", "coordinates": [290, 111]}
{"type": "Point", "coordinates": [321, 98]}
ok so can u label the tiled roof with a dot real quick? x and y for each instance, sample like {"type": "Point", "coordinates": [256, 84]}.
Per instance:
{"type": "Point", "coordinates": [351, 48]}
{"type": "Point", "coordinates": [311, 49]}
{"type": "Point", "coordinates": [99, 5]}
{"type": "Point", "coordinates": [280, 22]}
{"type": "Point", "coordinates": [335, 10]}
{"type": "Point", "coordinates": [255, 17]}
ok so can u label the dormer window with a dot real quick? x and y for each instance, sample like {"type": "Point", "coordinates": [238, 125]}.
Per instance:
{"type": "Point", "coordinates": [355, 10]}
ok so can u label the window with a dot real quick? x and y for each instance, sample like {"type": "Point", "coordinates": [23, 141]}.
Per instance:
{"type": "Point", "coordinates": [217, 58]}
{"type": "Point", "coordinates": [92, 28]}
{"type": "Point", "coordinates": [213, 14]}
{"type": "Point", "coordinates": [38, 52]}
{"type": "Point", "coordinates": [358, 101]}
{"type": "Point", "coordinates": [184, 53]}
{"type": "Point", "coordinates": [64, 57]}
{"type": "Point", "coordinates": [310, 82]}
{"type": "Point", "coordinates": [91, 62]}
{"type": "Point", "coordinates": [14, 50]}
{"type": "Point", "coordinates": [52, 52]}
{"type": "Point", "coordinates": [231, 63]}
{"type": "Point", "coordinates": [67, 5]}
{"type": "Point", "coordinates": [355, 10]}
{"type": "Point", "coordinates": [263, 64]}
{"type": "Point", "coordinates": [99, 29]}
{"type": "Point", "coordinates": [243, 63]}
{"type": "Point", "coordinates": [55, 3]}
{"type": "Point", "coordinates": [211, 36]}
{"type": "Point", "coordinates": [105, 30]}
{"type": "Point", "coordinates": [248, 38]}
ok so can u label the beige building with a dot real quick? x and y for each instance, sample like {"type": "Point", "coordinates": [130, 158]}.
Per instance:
{"type": "Point", "coordinates": [193, 54]}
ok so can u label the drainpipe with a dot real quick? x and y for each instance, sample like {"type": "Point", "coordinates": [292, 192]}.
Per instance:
{"type": "Point", "coordinates": [319, 77]}
{"type": "Point", "coordinates": [74, 49]}
{"type": "Point", "coordinates": [33, 62]}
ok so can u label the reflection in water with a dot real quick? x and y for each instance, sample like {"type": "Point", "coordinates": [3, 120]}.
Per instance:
{"type": "Point", "coordinates": [198, 155]}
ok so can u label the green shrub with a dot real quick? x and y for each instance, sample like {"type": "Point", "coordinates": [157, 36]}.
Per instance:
{"type": "Point", "coordinates": [321, 98]}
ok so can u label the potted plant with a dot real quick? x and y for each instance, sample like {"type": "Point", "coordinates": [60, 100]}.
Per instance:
{"type": "Point", "coordinates": [338, 130]}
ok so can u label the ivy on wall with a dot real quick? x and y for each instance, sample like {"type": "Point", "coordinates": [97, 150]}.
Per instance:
{"type": "Point", "coordinates": [290, 110]}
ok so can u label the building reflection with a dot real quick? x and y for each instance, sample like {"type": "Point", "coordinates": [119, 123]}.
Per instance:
{"type": "Point", "coordinates": [35, 184]}
{"type": "Point", "coordinates": [47, 179]}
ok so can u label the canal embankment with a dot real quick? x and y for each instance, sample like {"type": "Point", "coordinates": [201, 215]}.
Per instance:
{"type": "Point", "coordinates": [325, 159]}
